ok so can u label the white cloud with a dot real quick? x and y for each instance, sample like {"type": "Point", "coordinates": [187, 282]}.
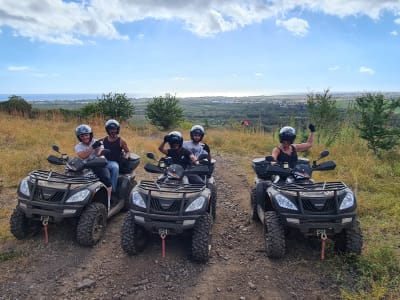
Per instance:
{"type": "Point", "coordinates": [296, 26]}
{"type": "Point", "coordinates": [18, 68]}
{"type": "Point", "coordinates": [334, 68]}
{"type": "Point", "coordinates": [394, 33]}
{"type": "Point", "coordinates": [58, 21]}
{"type": "Point", "coordinates": [258, 74]}
{"type": "Point", "coordinates": [367, 70]}
{"type": "Point", "coordinates": [140, 36]}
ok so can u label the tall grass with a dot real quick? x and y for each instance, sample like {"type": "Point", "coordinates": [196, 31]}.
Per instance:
{"type": "Point", "coordinates": [26, 143]}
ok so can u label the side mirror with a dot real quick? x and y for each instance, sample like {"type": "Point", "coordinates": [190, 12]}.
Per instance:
{"type": "Point", "coordinates": [150, 155]}
{"type": "Point", "coordinates": [56, 148]}
{"type": "Point", "coordinates": [323, 154]}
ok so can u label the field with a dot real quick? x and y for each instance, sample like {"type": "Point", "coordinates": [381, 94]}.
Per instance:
{"type": "Point", "coordinates": [26, 143]}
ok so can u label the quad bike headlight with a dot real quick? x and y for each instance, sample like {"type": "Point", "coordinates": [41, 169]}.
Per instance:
{"type": "Point", "coordinates": [137, 199]}
{"type": "Point", "coordinates": [285, 202]}
{"type": "Point", "coordinates": [79, 196]}
{"type": "Point", "coordinates": [196, 204]}
{"type": "Point", "coordinates": [348, 201]}
{"type": "Point", "coordinates": [24, 187]}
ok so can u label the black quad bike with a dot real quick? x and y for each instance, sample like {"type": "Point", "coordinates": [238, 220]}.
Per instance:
{"type": "Point", "coordinates": [46, 196]}
{"type": "Point", "coordinates": [179, 201]}
{"type": "Point", "coordinates": [288, 199]}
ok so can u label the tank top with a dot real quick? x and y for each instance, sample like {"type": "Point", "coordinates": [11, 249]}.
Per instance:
{"type": "Point", "coordinates": [290, 159]}
{"type": "Point", "coordinates": [114, 147]}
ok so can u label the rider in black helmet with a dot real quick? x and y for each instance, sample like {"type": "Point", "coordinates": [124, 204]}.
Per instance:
{"type": "Point", "coordinates": [178, 154]}
{"type": "Point", "coordinates": [286, 152]}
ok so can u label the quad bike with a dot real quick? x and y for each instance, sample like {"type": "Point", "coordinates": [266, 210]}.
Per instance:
{"type": "Point", "coordinates": [77, 195]}
{"type": "Point", "coordinates": [179, 201]}
{"type": "Point", "coordinates": [285, 199]}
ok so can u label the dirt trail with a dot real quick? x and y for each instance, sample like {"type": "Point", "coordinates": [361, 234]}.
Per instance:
{"type": "Point", "coordinates": [238, 268]}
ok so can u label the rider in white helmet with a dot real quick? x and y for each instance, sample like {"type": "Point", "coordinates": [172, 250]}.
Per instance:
{"type": "Point", "coordinates": [286, 152]}
{"type": "Point", "coordinates": [195, 145]}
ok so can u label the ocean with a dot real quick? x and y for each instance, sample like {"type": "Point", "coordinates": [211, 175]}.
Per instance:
{"type": "Point", "coordinates": [60, 97]}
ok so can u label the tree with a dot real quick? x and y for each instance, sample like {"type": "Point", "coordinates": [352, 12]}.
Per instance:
{"type": "Point", "coordinates": [16, 104]}
{"type": "Point", "coordinates": [324, 113]}
{"type": "Point", "coordinates": [116, 106]}
{"type": "Point", "coordinates": [112, 105]}
{"type": "Point", "coordinates": [376, 113]}
{"type": "Point", "coordinates": [164, 112]}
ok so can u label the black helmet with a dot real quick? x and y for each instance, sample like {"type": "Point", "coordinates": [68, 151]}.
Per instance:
{"type": "Point", "coordinates": [197, 129]}
{"type": "Point", "coordinates": [112, 124]}
{"type": "Point", "coordinates": [175, 137]}
{"type": "Point", "coordinates": [287, 133]}
{"type": "Point", "coordinates": [83, 129]}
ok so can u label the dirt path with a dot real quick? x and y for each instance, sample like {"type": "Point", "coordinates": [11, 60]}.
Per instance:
{"type": "Point", "coordinates": [238, 268]}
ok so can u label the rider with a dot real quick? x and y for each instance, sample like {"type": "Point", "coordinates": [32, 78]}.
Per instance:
{"type": "Point", "coordinates": [286, 152]}
{"type": "Point", "coordinates": [179, 155]}
{"type": "Point", "coordinates": [89, 148]}
{"type": "Point", "coordinates": [195, 145]}
{"type": "Point", "coordinates": [115, 144]}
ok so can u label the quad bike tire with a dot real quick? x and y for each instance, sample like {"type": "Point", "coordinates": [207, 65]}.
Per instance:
{"type": "Point", "coordinates": [201, 239]}
{"type": "Point", "coordinates": [21, 226]}
{"type": "Point", "coordinates": [213, 200]}
{"type": "Point", "coordinates": [274, 234]}
{"type": "Point", "coordinates": [253, 203]}
{"type": "Point", "coordinates": [133, 237]}
{"type": "Point", "coordinates": [350, 240]}
{"type": "Point", "coordinates": [92, 224]}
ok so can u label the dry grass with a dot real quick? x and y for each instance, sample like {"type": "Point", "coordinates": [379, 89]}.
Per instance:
{"type": "Point", "coordinates": [26, 143]}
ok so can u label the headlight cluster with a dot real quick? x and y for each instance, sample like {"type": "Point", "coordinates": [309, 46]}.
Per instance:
{"type": "Point", "coordinates": [137, 199]}
{"type": "Point", "coordinates": [196, 204]}
{"type": "Point", "coordinates": [24, 187]}
{"type": "Point", "coordinates": [348, 201]}
{"type": "Point", "coordinates": [285, 202]}
{"type": "Point", "coordinates": [79, 196]}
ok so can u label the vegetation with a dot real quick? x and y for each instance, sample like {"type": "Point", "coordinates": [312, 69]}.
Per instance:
{"type": "Point", "coordinates": [323, 111]}
{"type": "Point", "coordinates": [114, 106]}
{"type": "Point", "coordinates": [164, 112]}
{"type": "Point", "coordinates": [374, 275]}
{"type": "Point", "coordinates": [376, 113]}
{"type": "Point", "coordinates": [16, 104]}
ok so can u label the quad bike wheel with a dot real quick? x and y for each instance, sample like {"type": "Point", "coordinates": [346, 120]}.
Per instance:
{"type": "Point", "coordinates": [350, 240]}
{"type": "Point", "coordinates": [92, 224]}
{"type": "Point", "coordinates": [201, 238]}
{"type": "Point", "coordinates": [133, 237]}
{"type": "Point", "coordinates": [21, 226]}
{"type": "Point", "coordinates": [274, 234]}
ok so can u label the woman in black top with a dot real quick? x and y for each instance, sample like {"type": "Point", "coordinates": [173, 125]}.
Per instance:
{"type": "Point", "coordinates": [286, 152]}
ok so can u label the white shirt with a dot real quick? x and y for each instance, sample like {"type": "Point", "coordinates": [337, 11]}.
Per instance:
{"type": "Point", "coordinates": [196, 149]}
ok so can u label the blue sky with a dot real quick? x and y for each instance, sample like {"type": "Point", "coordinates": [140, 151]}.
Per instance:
{"type": "Point", "coordinates": [199, 47]}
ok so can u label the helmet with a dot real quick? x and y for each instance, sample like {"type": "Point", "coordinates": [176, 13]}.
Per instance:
{"type": "Point", "coordinates": [197, 129]}
{"type": "Point", "coordinates": [112, 124]}
{"type": "Point", "coordinates": [287, 133]}
{"type": "Point", "coordinates": [83, 129]}
{"type": "Point", "coordinates": [175, 137]}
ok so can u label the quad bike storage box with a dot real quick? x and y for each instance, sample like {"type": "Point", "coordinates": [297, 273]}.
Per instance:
{"type": "Point", "coordinates": [126, 166]}
{"type": "Point", "coordinates": [264, 169]}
